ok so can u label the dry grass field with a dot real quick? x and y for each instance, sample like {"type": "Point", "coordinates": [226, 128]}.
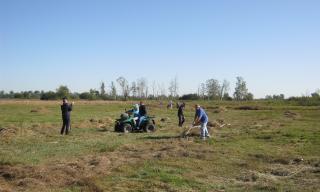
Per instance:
{"type": "Point", "coordinates": [262, 147]}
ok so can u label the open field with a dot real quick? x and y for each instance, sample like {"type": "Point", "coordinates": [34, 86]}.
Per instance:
{"type": "Point", "coordinates": [266, 147]}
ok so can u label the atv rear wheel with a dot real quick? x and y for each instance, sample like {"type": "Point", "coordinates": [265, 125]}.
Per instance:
{"type": "Point", "coordinates": [150, 127]}
{"type": "Point", "coordinates": [117, 127]}
{"type": "Point", "coordinates": [126, 128]}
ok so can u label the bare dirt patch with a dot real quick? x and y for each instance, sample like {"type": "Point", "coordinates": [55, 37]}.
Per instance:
{"type": "Point", "coordinates": [40, 110]}
{"type": "Point", "coordinates": [218, 109]}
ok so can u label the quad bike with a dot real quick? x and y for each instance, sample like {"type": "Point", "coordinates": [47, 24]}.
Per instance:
{"type": "Point", "coordinates": [128, 124]}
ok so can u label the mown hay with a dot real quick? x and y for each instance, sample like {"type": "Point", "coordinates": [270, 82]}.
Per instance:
{"type": "Point", "coordinates": [248, 108]}
{"type": "Point", "coordinates": [290, 114]}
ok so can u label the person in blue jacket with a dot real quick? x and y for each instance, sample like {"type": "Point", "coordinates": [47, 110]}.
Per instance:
{"type": "Point", "coordinates": [201, 118]}
{"type": "Point", "coordinates": [135, 113]}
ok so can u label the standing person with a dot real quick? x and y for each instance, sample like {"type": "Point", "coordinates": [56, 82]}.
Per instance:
{"type": "Point", "coordinates": [169, 106]}
{"type": "Point", "coordinates": [180, 113]}
{"type": "Point", "coordinates": [201, 118]}
{"type": "Point", "coordinates": [66, 109]}
{"type": "Point", "coordinates": [142, 112]}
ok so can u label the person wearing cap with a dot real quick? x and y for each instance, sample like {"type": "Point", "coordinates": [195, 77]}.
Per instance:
{"type": "Point", "coordinates": [202, 119]}
{"type": "Point", "coordinates": [180, 113]}
{"type": "Point", "coordinates": [66, 109]}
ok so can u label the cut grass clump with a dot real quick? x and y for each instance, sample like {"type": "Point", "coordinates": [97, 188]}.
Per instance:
{"type": "Point", "coordinates": [252, 108]}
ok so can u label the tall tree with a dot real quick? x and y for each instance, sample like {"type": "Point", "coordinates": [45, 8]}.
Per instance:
{"type": "Point", "coordinates": [241, 90]}
{"type": "Point", "coordinates": [113, 90]}
{"type": "Point", "coordinates": [102, 89]}
{"type": "Point", "coordinates": [62, 91]}
{"type": "Point", "coordinates": [249, 97]}
{"type": "Point", "coordinates": [213, 89]}
{"type": "Point", "coordinates": [316, 94]}
{"type": "Point", "coordinates": [94, 94]}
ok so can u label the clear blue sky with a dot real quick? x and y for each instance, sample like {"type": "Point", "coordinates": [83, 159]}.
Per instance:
{"type": "Point", "coordinates": [273, 44]}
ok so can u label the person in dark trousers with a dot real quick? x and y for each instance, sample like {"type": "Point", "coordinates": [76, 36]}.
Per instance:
{"type": "Point", "coordinates": [180, 113]}
{"type": "Point", "coordinates": [66, 109]}
{"type": "Point", "coordinates": [142, 112]}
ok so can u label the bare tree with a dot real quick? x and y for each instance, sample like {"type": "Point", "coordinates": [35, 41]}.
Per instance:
{"type": "Point", "coordinates": [173, 87]}
{"type": "Point", "coordinates": [124, 84]}
{"type": "Point", "coordinates": [162, 89]}
{"type": "Point", "coordinates": [202, 90]}
{"type": "Point", "coordinates": [158, 90]}
{"type": "Point", "coordinates": [224, 88]}
{"type": "Point", "coordinates": [153, 86]}
{"type": "Point", "coordinates": [171, 91]}
{"type": "Point", "coordinates": [134, 89]}
{"type": "Point", "coordinates": [147, 91]}
{"type": "Point", "coordinates": [141, 86]}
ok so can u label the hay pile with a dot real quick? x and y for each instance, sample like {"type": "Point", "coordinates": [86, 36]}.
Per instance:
{"type": "Point", "coordinates": [192, 131]}
{"type": "Point", "coordinates": [290, 114]}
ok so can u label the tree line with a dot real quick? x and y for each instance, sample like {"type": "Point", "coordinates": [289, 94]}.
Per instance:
{"type": "Point", "coordinates": [122, 89]}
